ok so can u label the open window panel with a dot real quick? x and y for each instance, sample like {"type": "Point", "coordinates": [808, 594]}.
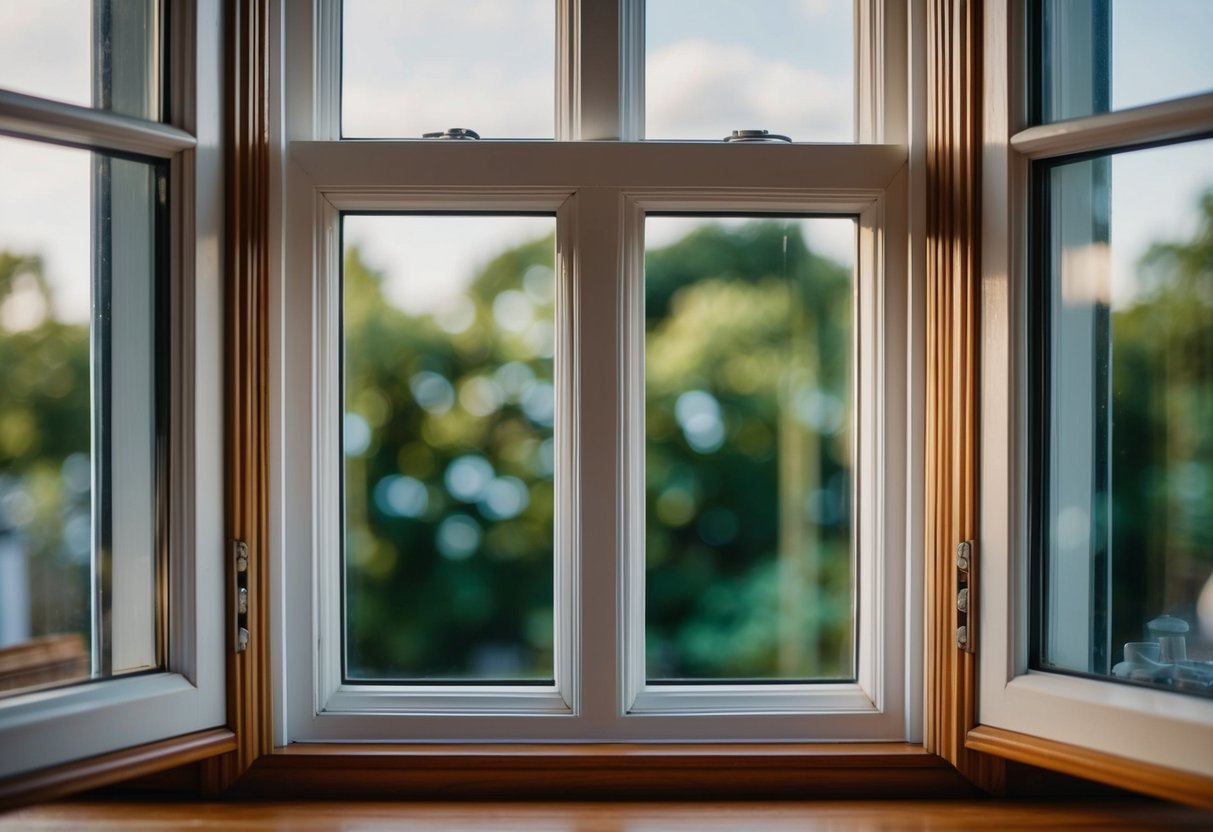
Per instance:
{"type": "Point", "coordinates": [111, 599]}
{"type": "Point", "coordinates": [1096, 576]}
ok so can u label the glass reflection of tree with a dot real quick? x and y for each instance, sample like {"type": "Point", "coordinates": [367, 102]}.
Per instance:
{"type": "Point", "coordinates": [1162, 438]}
{"type": "Point", "coordinates": [45, 530]}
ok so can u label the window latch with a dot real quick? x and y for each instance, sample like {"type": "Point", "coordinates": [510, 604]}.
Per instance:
{"type": "Point", "coordinates": [755, 136]}
{"type": "Point", "coordinates": [966, 594]}
{"type": "Point", "coordinates": [455, 133]}
{"type": "Point", "coordinates": [240, 564]}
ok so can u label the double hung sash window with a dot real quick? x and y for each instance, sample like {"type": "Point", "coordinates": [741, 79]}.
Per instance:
{"type": "Point", "coordinates": [596, 437]}
{"type": "Point", "coordinates": [109, 406]}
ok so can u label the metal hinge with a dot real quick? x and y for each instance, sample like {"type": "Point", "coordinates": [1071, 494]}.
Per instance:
{"type": "Point", "coordinates": [966, 596]}
{"type": "Point", "coordinates": [240, 566]}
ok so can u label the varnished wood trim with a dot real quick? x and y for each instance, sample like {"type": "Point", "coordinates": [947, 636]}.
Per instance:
{"type": "Point", "coordinates": [105, 769]}
{"type": "Point", "coordinates": [1147, 778]}
{"type": "Point", "coordinates": [706, 815]}
{"type": "Point", "coordinates": [954, 83]}
{"type": "Point", "coordinates": [246, 369]}
{"type": "Point", "coordinates": [601, 771]}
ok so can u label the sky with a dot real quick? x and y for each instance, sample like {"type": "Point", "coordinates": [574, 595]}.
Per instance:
{"type": "Point", "coordinates": [711, 65]}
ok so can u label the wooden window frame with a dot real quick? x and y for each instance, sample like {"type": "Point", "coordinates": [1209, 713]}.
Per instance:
{"type": "Point", "coordinates": [957, 754]}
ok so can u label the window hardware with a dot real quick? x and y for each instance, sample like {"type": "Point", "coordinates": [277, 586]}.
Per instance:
{"type": "Point", "coordinates": [965, 584]}
{"type": "Point", "coordinates": [456, 133]}
{"type": "Point", "coordinates": [240, 594]}
{"type": "Point", "coordinates": [751, 136]}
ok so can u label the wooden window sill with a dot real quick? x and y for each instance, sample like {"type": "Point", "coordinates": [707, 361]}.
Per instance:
{"type": "Point", "coordinates": [601, 771]}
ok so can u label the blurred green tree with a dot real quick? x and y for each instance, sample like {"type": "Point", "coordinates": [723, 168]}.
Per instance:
{"type": "Point", "coordinates": [1162, 435]}
{"type": "Point", "coordinates": [45, 418]}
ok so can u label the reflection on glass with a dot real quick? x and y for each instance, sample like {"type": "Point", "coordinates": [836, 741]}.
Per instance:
{"type": "Point", "coordinates": [94, 53]}
{"type": "Point", "coordinates": [77, 416]}
{"type": "Point", "coordinates": [748, 354]}
{"type": "Point", "coordinates": [410, 67]}
{"type": "Point", "coordinates": [1126, 404]}
{"type": "Point", "coordinates": [715, 66]}
{"type": "Point", "coordinates": [1105, 55]}
{"type": "Point", "coordinates": [449, 451]}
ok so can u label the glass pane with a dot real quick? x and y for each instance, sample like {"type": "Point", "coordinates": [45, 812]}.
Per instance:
{"type": "Point", "coordinates": [77, 416]}
{"type": "Point", "coordinates": [1104, 55]}
{"type": "Point", "coordinates": [748, 379]}
{"type": "Point", "coordinates": [1126, 420]}
{"type": "Point", "coordinates": [94, 53]}
{"type": "Point", "coordinates": [449, 452]}
{"type": "Point", "coordinates": [715, 66]}
{"type": "Point", "coordinates": [410, 67]}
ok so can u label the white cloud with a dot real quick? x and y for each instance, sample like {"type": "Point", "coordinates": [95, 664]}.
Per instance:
{"type": "Point", "coordinates": [699, 89]}
{"type": "Point", "coordinates": [813, 9]}
{"type": "Point", "coordinates": [45, 48]}
{"type": "Point", "coordinates": [45, 211]}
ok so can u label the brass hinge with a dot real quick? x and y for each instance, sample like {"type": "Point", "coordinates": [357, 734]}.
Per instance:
{"type": "Point", "coordinates": [240, 564]}
{"type": "Point", "coordinates": [966, 597]}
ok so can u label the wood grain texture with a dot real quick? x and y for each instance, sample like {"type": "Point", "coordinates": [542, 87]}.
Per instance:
{"type": "Point", "coordinates": [105, 769]}
{"type": "Point", "coordinates": [954, 79]}
{"type": "Point", "coordinates": [1158, 781]}
{"type": "Point", "coordinates": [246, 373]}
{"type": "Point", "coordinates": [707, 816]}
{"type": "Point", "coordinates": [600, 771]}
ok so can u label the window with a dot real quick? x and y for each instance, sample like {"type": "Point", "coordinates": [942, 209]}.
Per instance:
{"type": "Point", "coordinates": [1095, 514]}
{"type": "Point", "coordinates": [110, 603]}
{"type": "Point", "coordinates": [519, 497]}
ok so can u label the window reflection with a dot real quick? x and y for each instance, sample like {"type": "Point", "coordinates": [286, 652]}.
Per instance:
{"type": "Point", "coordinates": [1128, 420]}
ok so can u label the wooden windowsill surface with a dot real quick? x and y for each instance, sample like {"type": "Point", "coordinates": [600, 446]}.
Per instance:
{"type": "Point", "coordinates": [705, 816]}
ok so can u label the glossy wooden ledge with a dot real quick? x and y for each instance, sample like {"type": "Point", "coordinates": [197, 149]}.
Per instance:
{"type": "Point", "coordinates": [1147, 778]}
{"type": "Point", "coordinates": [601, 771]}
{"type": "Point", "coordinates": [707, 816]}
{"type": "Point", "coordinates": [107, 769]}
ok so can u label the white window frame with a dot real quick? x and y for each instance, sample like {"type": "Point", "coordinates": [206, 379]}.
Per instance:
{"type": "Point", "coordinates": [592, 186]}
{"type": "Point", "coordinates": [50, 727]}
{"type": "Point", "coordinates": [1159, 727]}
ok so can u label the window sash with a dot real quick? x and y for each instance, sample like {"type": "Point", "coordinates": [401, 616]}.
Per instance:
{"type": "Point", "coordinates": [1153, 727]}
{"type": "Point", "coordinates": [51, 727]}
{"type": "Point", "coordinates": [596, 185]}
{"type": "Point", "coordinates": [593, 239]}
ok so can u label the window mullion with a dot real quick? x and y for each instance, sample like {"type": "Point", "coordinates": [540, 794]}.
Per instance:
{"type": "Point", "coordinates": [591, 97]}
{"type": "Point", "coordinates": [594, 450]}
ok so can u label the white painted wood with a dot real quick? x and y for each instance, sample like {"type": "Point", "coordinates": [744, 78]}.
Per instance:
{"type": "Point", "coordinates": [1159, 727]}
{"type": "Point", "coordinates": [1183, 117]}
{"type": "Point", "coordinates": [50, 727]}
{"type": "Point", "coordinates": [38, 118]}
{"type": "Point", "coordinates": [599, 190]}
{"type": "Point", "coordinates": [390, 165]}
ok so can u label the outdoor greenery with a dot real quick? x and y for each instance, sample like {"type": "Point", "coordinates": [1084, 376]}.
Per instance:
{"type": "Point", "coordinates": [450, 459]}
{"type": "Point", "coordinates": [450, 453]}
{"type": "Point", "coordinates": [1162, 440]}
{"type": "Point", "coordinates": [45, 412]}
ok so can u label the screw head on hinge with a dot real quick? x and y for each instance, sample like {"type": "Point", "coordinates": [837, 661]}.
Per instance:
{"type": "Point", "coordinates": [964, 554]}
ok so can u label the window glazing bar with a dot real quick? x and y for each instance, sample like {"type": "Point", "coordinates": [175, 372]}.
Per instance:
{"type": "Point", "coordinates": [37, 118]}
